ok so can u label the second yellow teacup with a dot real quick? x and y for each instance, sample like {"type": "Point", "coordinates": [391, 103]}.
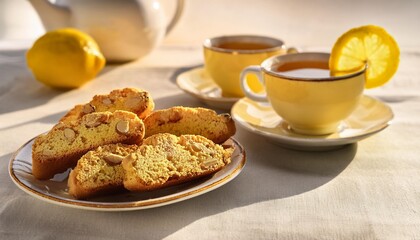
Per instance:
{"type": "Point", "coordinates": [226, 56]}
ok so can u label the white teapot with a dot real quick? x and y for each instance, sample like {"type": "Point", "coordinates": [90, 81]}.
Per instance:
{"type": "Point", "coordinates": [124, 29]}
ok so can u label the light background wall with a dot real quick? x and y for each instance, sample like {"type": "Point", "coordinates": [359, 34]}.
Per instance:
{"type": "Point", "coordinates": [300, 23]}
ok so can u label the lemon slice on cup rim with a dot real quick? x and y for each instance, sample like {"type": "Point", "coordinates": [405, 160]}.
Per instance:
{"type": "Point", "coordinates": [367, 45]}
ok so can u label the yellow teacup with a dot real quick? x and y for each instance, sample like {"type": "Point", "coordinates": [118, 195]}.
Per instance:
{"type": "Point", "coordinates": [226, 56]}
{"type": "Point", "coordinates": [301, 91]}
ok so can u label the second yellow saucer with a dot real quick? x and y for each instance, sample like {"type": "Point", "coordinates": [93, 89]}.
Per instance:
{"type": "Point", "coordinates": [199, 84]}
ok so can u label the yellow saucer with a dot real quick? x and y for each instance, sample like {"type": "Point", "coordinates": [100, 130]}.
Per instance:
{"type": "Point", "coordinates": [199, 84]}
{"type": "Point", "coordinates": [370, 117]}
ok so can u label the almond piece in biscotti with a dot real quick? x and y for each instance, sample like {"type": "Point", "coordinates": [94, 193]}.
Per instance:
{"type": "Point", "coordinates": [123, 127]}
{"type": "Point", "coordinates": [113, 159]}
{"type": "Point", "coordinates": [210, 162]}
{"type": "Point", "coordinates": [88, 108]}
{"type": "Point", "coordinates": [69, 134]}
{"type": "Point", "coordinates": [92, 120]}
{"type": "Point", "coordinates": [107, 101]}
{"type": "Point", "coordinates": [132, 102]}
{"type": "Point", "coordinates": [47, 152]}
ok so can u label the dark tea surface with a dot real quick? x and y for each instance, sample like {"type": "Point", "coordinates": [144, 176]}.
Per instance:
{"type": "Point", "coordinates": [244, 45]}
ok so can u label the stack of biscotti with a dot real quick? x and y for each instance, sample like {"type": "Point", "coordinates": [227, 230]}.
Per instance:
{"type": "Point", "coordinates": [111, 149]}
{"type": "Point", "coordinates": [177, 149]}
{"type": "Point", "coordinates": [107, 119]}
{"type": "Point", "coordinates": [161, 160]}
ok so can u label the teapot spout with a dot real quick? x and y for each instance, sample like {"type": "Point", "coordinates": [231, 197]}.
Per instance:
{"type": "Point", "coordinates": [52, 15]}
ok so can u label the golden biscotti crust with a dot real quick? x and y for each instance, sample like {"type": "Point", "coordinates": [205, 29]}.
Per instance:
{"type": "Point", "coordinates": [133, 100]}
{"type": "Point", "coordinates": [165, 159]}
{"type": "Point", "coordinates": [185, 120]}
{"type": "Point", "coordinates": [99, 171]}
{"type": "Point", "coordinates": [61, 147]}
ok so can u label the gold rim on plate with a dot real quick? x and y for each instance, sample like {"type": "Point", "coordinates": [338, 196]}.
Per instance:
{"type": "Point", "coordinates": [20, 171]}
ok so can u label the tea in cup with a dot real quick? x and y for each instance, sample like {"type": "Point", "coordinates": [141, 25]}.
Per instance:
{"type": "Point", "coordinates": [302, 92]}
{"type": "Point", "coordinates": [226, 56]}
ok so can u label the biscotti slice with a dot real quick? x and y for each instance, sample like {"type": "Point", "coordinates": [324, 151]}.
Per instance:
{"type": "Point", "coordinates": [61, 147]}
{"type": "Point", "coordinates": [165, 159]}
{"type": "Point", "coordinates": [128, 99]}
{"type": "Point", "coordinates": [99, 171]}
{"type": "Point", "coordinates": [186, 120]}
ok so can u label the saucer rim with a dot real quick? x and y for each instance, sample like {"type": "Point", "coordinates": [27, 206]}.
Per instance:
{"type": "Point", "coordinates": [309, 140]}
{"type": "Point", "coordinates": [180, 79]}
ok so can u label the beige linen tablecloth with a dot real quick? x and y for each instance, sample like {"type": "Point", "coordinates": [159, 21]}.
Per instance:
{"type": "Point", "coordinates": [368, 190]}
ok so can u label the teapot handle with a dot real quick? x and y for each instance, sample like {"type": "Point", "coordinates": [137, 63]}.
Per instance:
{"type": "Point", "coordinates": [175, 18]}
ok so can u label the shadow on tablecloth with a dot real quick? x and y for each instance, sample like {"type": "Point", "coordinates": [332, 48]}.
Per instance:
{"type": "Point", "coordinates": [49, 119]}
{"type": "Point", "coordinates": [271, 173]}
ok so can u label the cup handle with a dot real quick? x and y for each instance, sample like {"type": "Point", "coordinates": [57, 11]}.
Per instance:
{"type": "Point", "coordinates": [256, 70]}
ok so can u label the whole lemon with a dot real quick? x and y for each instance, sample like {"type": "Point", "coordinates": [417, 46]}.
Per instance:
{"type": "Point", "coordinates": [65, 58]}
